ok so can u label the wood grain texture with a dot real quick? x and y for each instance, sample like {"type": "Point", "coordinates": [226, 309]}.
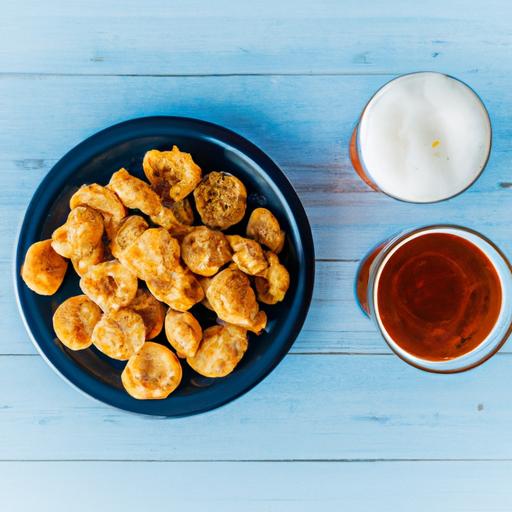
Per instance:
{"type": "Point", "coordinates": [226, 37]}
{"type": "Point", "coordinates": [334, 324]}
{"type": "Point", "coordinates": [311, 407]}
{"type": "Point", "coordinates": [257, 487]}
{"type": "Point", "coordinates": [303, 122]}
{"type": "Point", "coordinates": [292, 77]}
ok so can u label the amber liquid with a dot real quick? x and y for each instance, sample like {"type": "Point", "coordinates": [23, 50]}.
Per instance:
{"type": "Point", "coordinates": [356, 163]}
{"type": "Point", "coordinates": [439, 296]}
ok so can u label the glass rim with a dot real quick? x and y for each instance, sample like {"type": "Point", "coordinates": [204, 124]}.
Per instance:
{"type": "Point", "coordinates": [425, 364]}
{"type": "Point", "coordinates": [372, 98]}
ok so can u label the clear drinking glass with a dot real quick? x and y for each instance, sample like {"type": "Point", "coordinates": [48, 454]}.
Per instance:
{"type": "Point", "coordinates": [412, 142]}
{"type": "Point", "coordinates": [367, 286]}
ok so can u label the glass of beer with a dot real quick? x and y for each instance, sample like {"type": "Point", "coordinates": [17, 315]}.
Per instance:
{"type": "Point", "coordinates": [441, 296]}
{"type": "Point", "coordinates": [423, 137]}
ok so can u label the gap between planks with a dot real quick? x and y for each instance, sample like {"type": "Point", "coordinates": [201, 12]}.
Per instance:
{"type": "Point", "coordinates": [300, 353]}
{"type": "Point", "coordinates": [251, 461]}
{"type": "Point", "coordinates": [295, 353]}
{"type": "Point", "coordinates": [16, 74]}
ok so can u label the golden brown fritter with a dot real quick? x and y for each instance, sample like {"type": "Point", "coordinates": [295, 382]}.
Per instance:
{"type": "Point", "coordinates": [82, 264]}
{"type": "Point", "coordinates": [168, 220]}
{"type": "Point", "coordinates": [151, 311]}
{"type": "Point", "coordinates": [152, 255]}
{"type": "Point", "coordinates": [180, 289]}
{"type": "Point", "coordinates": [220, 351]}
{"type": "Point", "coordinates": [171, 173]}
{"type": "Point", "coordinates": [60, 242]}
{"type": "Point", "coordinates": [43, 269]}
{"type": "Point", "coordinates": [153, 373]}
{"type": "Point", "coordinates": [74, 321]}
{"type": "Point", "coordinates": [264, 228]}
{"type": "Point", "coordinates": [80, 238]}
{"type": "Point", "coordinates": [135, 193]}
{"type": "Point", "coordinates": [119, 334]}
{"type": "Point", "coordinates": [204, 251]}
{"type": "Point", "coordinates": [221, 200]}
{"type": "Point", "coordinates": [183, 332]}
{"type": "Point", "coordinates": [232, 298]}
{"type": "Point", "coordinates": [110, 285]}
{"type": "Point", "coordinates": [80, 235]}
{"type": "Point", "coordinates": [129, 230]}
{"type": "Point", "coordinates": [274, 282]}
{"type": "Point", "coordinates": [183, 211]}
{"type": "Point", "coordinates": [248, 255]}
{"type": "Point", "coordinates": [104, 201]}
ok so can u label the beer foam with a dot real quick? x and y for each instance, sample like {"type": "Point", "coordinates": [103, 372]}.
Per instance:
{"type": "Point", "coordinates": [424, 137]}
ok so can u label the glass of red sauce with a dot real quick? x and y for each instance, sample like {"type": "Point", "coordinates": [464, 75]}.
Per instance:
{"type": "Point", "coordinates": [441, 296]}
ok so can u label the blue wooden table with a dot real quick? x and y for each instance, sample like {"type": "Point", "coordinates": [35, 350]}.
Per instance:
{"type": "Point", "coordinates": [341, 424]}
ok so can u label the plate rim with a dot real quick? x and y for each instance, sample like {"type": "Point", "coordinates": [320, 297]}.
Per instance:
{"type": "Point", "coordinates": [294, 203]}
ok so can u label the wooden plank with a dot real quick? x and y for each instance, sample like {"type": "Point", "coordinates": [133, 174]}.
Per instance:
{"type": "Point", "coordinates": [372, 407]}
{"type": "Point", "coordinates": [325, 330]}
{"type": "Point", "coordinates": [301, 121]}
{"type": "Point", "coordinates": [310, 407]}
{"type": "Point", "coordinates": [183, 37]}
{"type": "Point", "coordinates": [348, 228]}
{"type": "Point", "coordinates": [256, 487]}
{"type": "Point", "coordinates": [335, 324]}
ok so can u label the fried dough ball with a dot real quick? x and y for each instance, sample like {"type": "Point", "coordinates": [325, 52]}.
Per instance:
{"type": "Point", "coordinates": [183, 332]}
{"type": "Point", "coordinates": [85, 229]}
{"type": "Point", "coordinates": [80, 238]}
{"type": "Point", "coordinates": [110, 285]}
{"type": "Point", "coordinates": [80, 235]}
{"type": "Point", "coordinates": [43, 269]}
{"type": "Point", "coordinates": [171, 173]}
{"type": "Point", "coordinates": [183, 211]}
{"type": "Point", "coordinates": [220, 351]}
{"type": "Point", "coordinates": [168, 220]}
{"type": "Point", "coordinates": [232, 298]}
{"type": "Point", "coordinates": [273, 284]}
{"type": "Point", "coordinates": [74, 321]}
{"type": "Point", "coordinates": [103, 200]}
{"type": "Point", "coordinates": [248, 255]}
{"type": "Point", "coordinates": [60, 242]}
{"type": "Point", "coordinates": [130, 229]}
{"type": "Point", "coordinates": [204, 251]}
{"type": "Point", "coordinates": [265, 229]}
{"type": "Point", "coordinates": [180, 289]}
{"type": "Point", "coordinates": [221, 200]}
{"type": "Point", "coordinates": [154, 372]}
{"type": "Point", "coordinates": [119, 334]}
{"type": "Point", "coordinates": [151, 311]}
{"type": "Point", "coordinates": [82, 264]}
{"type": "Point", "coordinates": [135, 193]}
{"type": "Point", "coordinates": [152, 255]}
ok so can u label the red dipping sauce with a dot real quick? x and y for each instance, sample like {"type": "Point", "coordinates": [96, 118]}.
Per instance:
{"type": "Point", "coordinates": [438, 296]}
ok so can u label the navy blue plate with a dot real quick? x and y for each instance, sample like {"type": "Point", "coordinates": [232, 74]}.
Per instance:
{"type": "Point", "coordinates": [213, 148]}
